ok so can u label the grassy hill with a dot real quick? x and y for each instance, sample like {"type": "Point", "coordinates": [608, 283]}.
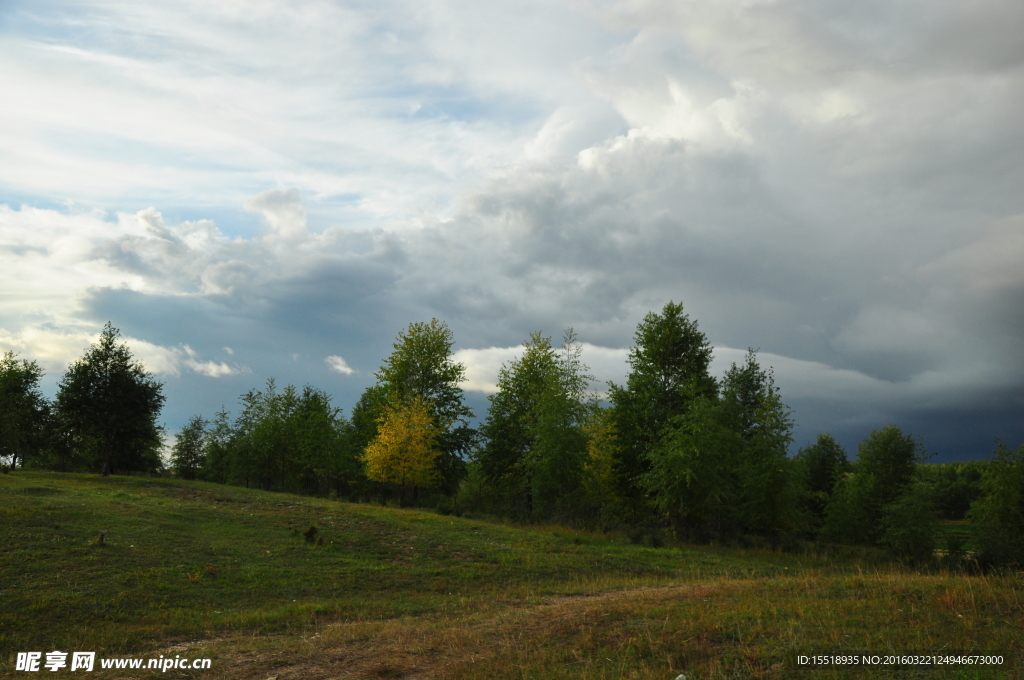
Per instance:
{"type": "Point", "coordinates": [200, 570]}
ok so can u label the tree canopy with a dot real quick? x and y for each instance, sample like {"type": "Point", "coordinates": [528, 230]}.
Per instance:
{"type": "Point", "coordinates": [536, 448]}
{"type": "Point", "coordinates": [108, 405]}
{"type": "Point", "coordinates": [405, 450]}
{"type": "Point", "coordinates": [23, 410]}
{"type": "Point", "coordinates": [668, 369]}
{"type": "Point", "coordinates": [421, 369]}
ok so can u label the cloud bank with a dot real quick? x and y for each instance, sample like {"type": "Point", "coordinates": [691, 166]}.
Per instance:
{"type": "Point", "coordinates": [834, 185]}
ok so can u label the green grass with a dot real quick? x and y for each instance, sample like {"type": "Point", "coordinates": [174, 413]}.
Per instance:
{"type": "Point", "coordinates": [390, 593]}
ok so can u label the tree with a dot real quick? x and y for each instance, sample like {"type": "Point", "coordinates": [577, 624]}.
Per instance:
{"type": "Point", "coordinates": [189, 452]}
{"type": "Point", "coordinates": [721, 467]}
{"type": "Point", "coordinates": [884, 470]}
{"type": "Point", "coordinates": [290, 440]}
{"type": "Point", "coordinates": [693, 472]}
{"type": "Point", "coordinates": [109, 405]}
{"type": "Point", "coordinates": [908, 525]}
{"type": "Point", "coordinates": [535, 446]}
{"type": "Point", "coordinates": [405, 448]}
{"type": "Point", "coordinates": [768, 495]}
{"type": "Point", "coordinates": [23, 409]}
{"type": "Point", "coordinates": [598, 468]}
{"type": "Point", "coordinates": [997, 518]}
{"type": "Point", "coordinates": [217, 462]}
{"type": "Point", "coordinates": [668, 370]}
{"type": "Point", "coordinates": [421, 369]}
{"type": "Point", "coordinates": [822, 466]}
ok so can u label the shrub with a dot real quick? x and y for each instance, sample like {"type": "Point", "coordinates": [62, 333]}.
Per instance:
{"type": "Point", "coordinates": [908, 525]}
{"type": "Point", "coordinates": [997, 518]}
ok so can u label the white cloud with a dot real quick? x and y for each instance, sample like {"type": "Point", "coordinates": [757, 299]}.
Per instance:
{"type": "Point", "coordinates": [482, 366]}
{"type": "Point", "coordinates": [338, 365]}
{"type": "Point", "coordinates": [56, 350]}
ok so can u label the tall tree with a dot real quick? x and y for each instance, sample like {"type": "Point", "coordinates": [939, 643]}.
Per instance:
{"type": "Point", "coordinates": [290, 440]}
{"type": "Point", "coordinates": [822, 466]}
{"type": "Point", "coordinates": [23, 409]}
{"type": "Point", "coordinates": [769, 494]}
{"type": "Point", "coordinates": [536, 447]}
{"type": "Point", "coordinates": [997, 518]}
{"type": "Point", "coordinates": [110, 405]}
{"type": "Point", "coordinates": [693, 476]}
{"type": "Point", "coordinates": [720, 467]}
{"type": "Point", "coordinates": [189, 452]}
{"type": "Point", "coordinates": [668, 370]}
{"type": "Point", "coordinates": [884, 470]}
{"type": "Point", "coordinates": [421, 368]}
{"type": "Point", "coordinates": [219, 458]}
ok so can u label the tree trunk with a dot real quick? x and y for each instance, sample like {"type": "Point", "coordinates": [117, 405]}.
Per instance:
{"type": "Point", "coordinates": [106, 459]}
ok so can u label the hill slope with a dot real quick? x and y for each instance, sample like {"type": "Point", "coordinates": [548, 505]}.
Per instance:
{"type": "Point", "coordinates": [201, 570]}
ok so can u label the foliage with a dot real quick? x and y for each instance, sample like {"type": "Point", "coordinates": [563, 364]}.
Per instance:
{"type": "Point", "coordinates": [536, 447]}
{"type": "Point", "coordinates": [189, 451]}
{"type": "Point", "coordinates": [846, 515]}
{"type": "Point", "coordinates": [421, 367]}
{"type": "Point", "coordinates": [955, 486]}
{"type": "Point", "coordinates": [884, 470]}
{"type": "Point", "coordinates": [668, 369]}
{"type": "Point", "coordinates": [599, 465]}
{"type": "Point", "coordinates": [693, 475]}
{"type": "Point", "coordinates": [285, 441]}
{"type": "Point", "coordinates": [24, 411]}
{"type": "Point", "coordinates": [821, 467]}
{"type": "Point", "coordinates": [908, 525]}
{"type": "Point", "coordinates": [768, 494]}
{"type": "Point", "coordinates": [721, 467]}
{"type": "Point", "coordinates": [218, 458]}
{"type": "Point", "coordinates": [997, 518]}
{"type": "Point", "coordinates": [405, 449]}
{"type": "Point", "coordinates": [107, 405]}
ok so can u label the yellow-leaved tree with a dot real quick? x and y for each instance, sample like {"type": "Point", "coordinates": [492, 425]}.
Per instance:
{"type": "Point", "coordinates": [405, 449]}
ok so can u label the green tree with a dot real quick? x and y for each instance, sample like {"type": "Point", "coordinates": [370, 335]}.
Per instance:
{"type": "Point", "coordinates": [535, 446]}
{"type": "Point", "coordinates": [189, 452]}
{"type": "Point", "coordinates": [821, 467]}
{"type": "Point", "coordinates": [956, 486]}
{"type": "Point", "coordinates": [421, 367]}
{"type": "Point", "coordinates": [908, 524]}
{"type": "Point", "coordinates": [668, 370]}
{"type": "Point", "coordinates": [721, 466]}
{"type": "Point", "coordinates": [693, 476]}
{"type": "Point", "coordinates": [884, 470]}
{"type": "Point", "coordinates": [768, 497]}
{"type": "Point", "coordinates": [997, 518]}
{"type": "Point", "coordinates": [24, 411]}
{"type": "Point", "coordinates": [109, 406]}
{"type": "Point", "coordinates": [219, 459]}
{"type": "Point", "coordinates": [290, 440]}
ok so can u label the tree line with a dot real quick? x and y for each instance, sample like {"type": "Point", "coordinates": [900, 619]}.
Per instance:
{"type": "Point", "coordinates": [671, 450]}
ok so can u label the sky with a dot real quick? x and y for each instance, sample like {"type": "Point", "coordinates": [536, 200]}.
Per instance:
{"type": "Point", "coordinates": [276, 189]}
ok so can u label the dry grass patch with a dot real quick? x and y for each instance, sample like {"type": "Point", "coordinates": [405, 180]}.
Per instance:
{"type": "Point", "coordinates": [725, 628]}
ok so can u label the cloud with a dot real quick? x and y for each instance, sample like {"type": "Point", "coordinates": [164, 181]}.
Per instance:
{"type": "Point", "coordinates": [56, 350]}
{"type": "Point", "coordinates": [483, 365]}
{"type": "Point", "coordinates": [282, 210]}
{"type": "Point", "coordinates": [338, 365]}
{"type": "Point", "coordinates": [836, 187]}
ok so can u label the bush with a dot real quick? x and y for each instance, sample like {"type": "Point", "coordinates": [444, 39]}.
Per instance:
{"type": "Point", "coordinates": [908, 525]}
{"type": "Point", "coordinates": [997, 518]}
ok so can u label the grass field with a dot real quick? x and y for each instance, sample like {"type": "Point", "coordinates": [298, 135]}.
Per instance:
{"type": "Point", "coordinates": [199, 570]}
